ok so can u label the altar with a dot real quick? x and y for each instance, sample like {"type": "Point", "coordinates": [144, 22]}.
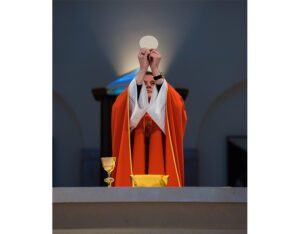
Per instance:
{"type": "Point", "coordinates": [214, 210]}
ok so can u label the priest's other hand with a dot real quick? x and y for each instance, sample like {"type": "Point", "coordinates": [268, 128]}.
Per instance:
{"type": "Point", "coordinates": [155, 58]}
{"type": "Point", "coordinates": [143, 59]}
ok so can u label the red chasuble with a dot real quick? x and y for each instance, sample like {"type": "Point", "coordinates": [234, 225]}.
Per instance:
{"type": "Point", "coordinates": [171, 163]}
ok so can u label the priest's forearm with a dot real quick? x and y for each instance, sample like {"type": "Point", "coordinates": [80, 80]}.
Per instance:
{"type": "Point", "coordinates": [140, 76]}
{"type": "Point", "coordinates": [160, 81]}
{"type": "Point", "coordinates": [156, 72]}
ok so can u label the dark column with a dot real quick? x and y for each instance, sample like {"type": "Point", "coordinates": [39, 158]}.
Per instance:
{"type": "Point", "coordinates": [106, 101]}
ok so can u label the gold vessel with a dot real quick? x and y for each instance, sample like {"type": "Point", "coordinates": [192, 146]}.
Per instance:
{"type": "Point", "coordinates": [149, 180]}
{"type": "Point", "coordinates": [108, 163]}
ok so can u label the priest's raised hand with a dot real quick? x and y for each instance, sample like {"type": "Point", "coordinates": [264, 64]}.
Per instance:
{"type": "Point", "coordinates": [148, 125]}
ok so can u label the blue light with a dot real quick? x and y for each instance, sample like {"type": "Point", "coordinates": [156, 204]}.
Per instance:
{"type": "Point", "coordinates": [122, 82]}
{"type": "Point", "coordinates": [116, 91]}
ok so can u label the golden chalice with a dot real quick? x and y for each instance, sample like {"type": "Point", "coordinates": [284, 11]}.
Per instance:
{"type": "Point", "coordinates": [108, 164]}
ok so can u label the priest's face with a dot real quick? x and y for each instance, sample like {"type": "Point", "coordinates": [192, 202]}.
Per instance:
{"type": "Point", "coordinates": [149, 82]}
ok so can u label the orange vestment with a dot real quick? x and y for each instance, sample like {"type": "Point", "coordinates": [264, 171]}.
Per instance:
{"type": "Point", "coordinates": [171, 143]}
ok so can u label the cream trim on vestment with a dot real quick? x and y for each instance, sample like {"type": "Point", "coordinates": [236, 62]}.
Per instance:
{"type": "Point", "coordinates": [156, 108]}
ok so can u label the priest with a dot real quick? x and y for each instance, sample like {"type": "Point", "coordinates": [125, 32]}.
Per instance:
{"type": "Point", "coordinates": [148, 125]}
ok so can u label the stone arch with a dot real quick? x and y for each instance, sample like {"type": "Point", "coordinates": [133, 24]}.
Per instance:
{"type": "Point", "coordinates": [226, 115]}
{"type": "Point", "coordinates": [67, 143]}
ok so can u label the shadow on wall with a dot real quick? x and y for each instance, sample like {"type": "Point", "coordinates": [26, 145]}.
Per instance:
{"type": "Point", "coordinates": [231, 105]}
{"type": "Point", "coordinates": [67, 143]}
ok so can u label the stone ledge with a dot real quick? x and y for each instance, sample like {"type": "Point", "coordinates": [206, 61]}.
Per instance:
{"type": "Point", "coordinates": [128, 194]}
{"type": "Point", "coordinates": [193, 208]}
